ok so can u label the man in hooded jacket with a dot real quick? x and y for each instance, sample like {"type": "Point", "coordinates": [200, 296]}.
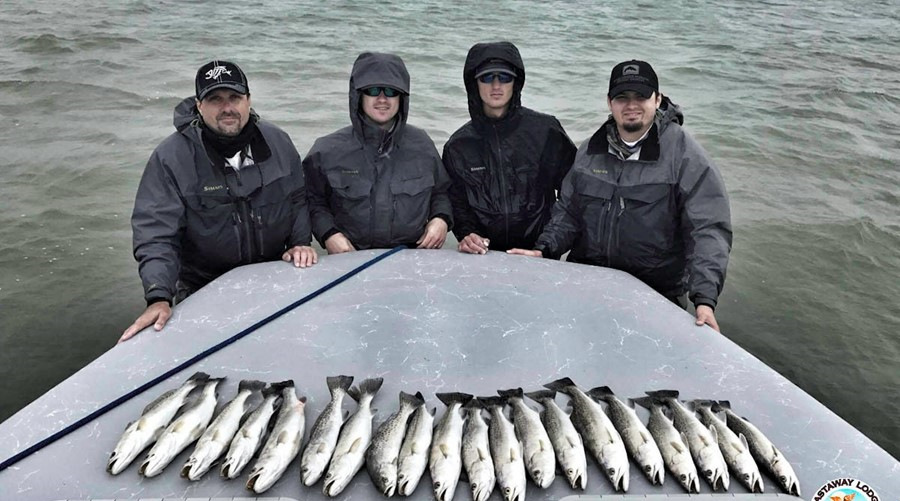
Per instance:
{"type": "Point", "coordinates": [379, 182]}
{"type": "Point", "coordinates": [644, 197]}
{"type": "Point", "coordinates": [224, 190]}
{"type": "Point", "coordinates": [508, 162]}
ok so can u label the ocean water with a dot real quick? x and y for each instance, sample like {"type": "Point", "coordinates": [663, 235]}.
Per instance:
{"type": "Point", "coordinates": [797, 102]}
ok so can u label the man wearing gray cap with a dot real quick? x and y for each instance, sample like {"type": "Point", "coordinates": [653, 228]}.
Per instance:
{"type": "Point", "coordinates": [644, 197]}
{"type": "Point", "coordinates": [225, 189]}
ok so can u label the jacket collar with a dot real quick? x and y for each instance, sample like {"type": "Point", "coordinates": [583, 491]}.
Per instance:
{"type": "Point", "coordinates": [599, 144]}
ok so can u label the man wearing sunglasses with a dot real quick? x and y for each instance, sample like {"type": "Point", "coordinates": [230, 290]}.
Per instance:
{"type": "Point", "coordinates": [225, 189]}
{"type": "Point", "coordinates": [379, 182]}
{"type": "Point", "coordinates": [644, 197]}
{"type": "Point", "coordinates": [508, 162]}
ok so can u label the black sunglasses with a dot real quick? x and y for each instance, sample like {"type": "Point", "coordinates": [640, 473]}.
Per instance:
{"type": "Point", "coordinates": [504, 78]}
{"type": "Point", "coordinates": [375, 91]}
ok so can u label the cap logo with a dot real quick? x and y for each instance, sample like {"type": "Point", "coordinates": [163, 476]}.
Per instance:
{"type": "Point", "coordinates": [217, 72]}
{"type": "Point", "coordinates": [631, 69]}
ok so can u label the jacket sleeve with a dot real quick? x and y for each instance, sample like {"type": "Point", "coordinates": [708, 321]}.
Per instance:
{"type": "Point", "coordinates": [706, 224]}
{"type": "Point", "coordinates": [302, 228]}
{"type": "Point", "coordinates": [440, 198]}
{"type": "Point", "coordinates": [318, 193]}
{"type": "Point", "coordinates": [157, 223]}
{"type": "Point", "coordinates": [465, 220]}
{"type": "Point", "coordinates": [559, 153]}
{"type": "Point", "coordinates": [560, 232]}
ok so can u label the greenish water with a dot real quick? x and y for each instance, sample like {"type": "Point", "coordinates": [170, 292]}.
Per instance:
{"type": "Point", "coordinates": [796, 102]}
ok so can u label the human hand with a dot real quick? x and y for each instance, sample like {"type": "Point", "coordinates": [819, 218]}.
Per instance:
{"type": "Point", "coordinates": [526, 252]}
{"type": "Point", "coordinates": [338, 244]}
{"type": "Point", "coordinates": [303, 256]}
{"type": "Point", "coordinates": [434, 235]}
{"type": "Point", "coordinates": [157, 314]}
{"type": "Point", "coordinates": [474, 243]}
{"type": "Point", "coordinates": [705, 316]}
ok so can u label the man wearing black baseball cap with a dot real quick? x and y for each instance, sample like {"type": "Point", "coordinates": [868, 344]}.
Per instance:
{"type": "Point", "coordinates": [507, 163]}
{"type": "Point", "coordinates": [647, 198]}
{"type": "Point", "coordinates": [225, 189]}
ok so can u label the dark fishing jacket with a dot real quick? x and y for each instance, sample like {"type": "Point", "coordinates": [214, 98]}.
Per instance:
{"type": "Point", "coordinates": [194, 220]}
{"type": "Point", "coordinates": [379, 188]}
{"type": "Point", "coordinates": [664, 218]}
{"type": "Point", "coordinates": [505, 172]}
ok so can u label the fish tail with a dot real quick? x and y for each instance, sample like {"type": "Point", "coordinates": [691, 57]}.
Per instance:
{"type": "Point", "coordinates": [490, 402]}
{"type": "Point", "coordinates": [251, 385]}
{"type": "Point", "coordinates": [335, 382]}
{"type": "Point", "coordinates": [412, 400]}
{"type": "Point", "coordinates": [721, 405]}
{"type": "Point", "coordinates": [562, 385]}
{"type": "Point", "coordinates": [645, 402]}
{"type": "Point", "coordinates": [475, 403]}
{"type": "Point", "coordinates": [701, 403]}
{"type": "Point", "coordinates": [199, 377]}
{"type": "Point", "coordinates": [454, 397]}
{"type": "Point", "coordinates": [541, 395]}
{"type": "Point", "coordinates": [512, 393]}
{"type": "Point", "coordinates": [663, 394]}
{"type": "Point", "coordinates": [366, 387]}
{"type": "Point", "coordinates": [601, 393]}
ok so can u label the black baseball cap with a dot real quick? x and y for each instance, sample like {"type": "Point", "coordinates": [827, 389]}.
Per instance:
{"type": "Point", "coordinates": [220, 75]}
{"type": "Point", "coordinates": [495, 66]}
{"type": "Point", "coordinates": [633, 75]}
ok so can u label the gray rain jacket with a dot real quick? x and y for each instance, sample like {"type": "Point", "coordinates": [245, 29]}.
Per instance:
{"type": "Point", "coordinates": [378, 188]}
{"type": "Point", "coordinates": [664, 218]}
{"type": "Point", "coordinates": [194, 221]}
{"type": "Point", "coordinates": [505, 172]}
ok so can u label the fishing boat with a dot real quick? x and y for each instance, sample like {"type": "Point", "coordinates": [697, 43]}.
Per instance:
{"type": "Point", "coordinates": [426, 321]}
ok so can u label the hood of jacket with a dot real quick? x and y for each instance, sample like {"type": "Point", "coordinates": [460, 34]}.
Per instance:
{"type": "Point", "coordinates": [187, 115]}
{"type": "Point", "coordinates": [378, 69]}
{"type": "Point", "coordinates": [667, 113]}
{"type": "Point", "coordinates": [483, 52]}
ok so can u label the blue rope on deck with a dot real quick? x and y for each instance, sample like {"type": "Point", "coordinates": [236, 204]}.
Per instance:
{"type": "Point", "coordinates": [137, 391]}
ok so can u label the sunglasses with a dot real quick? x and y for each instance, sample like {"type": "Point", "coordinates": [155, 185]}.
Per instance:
{"type": "Point", "coordinates": [504, 78]}
{"type": "Point", "coordinates": [375, 91]}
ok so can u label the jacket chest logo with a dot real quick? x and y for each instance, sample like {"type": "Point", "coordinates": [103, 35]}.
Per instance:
{"type": "Point", "coordinates": [350, 172]}
{"type": "Point", "coordinates": [477, 169]}
{"type": "Point", "coordinates": [207, 189]}
{"type": "Point", "coordinates": [600, 171]}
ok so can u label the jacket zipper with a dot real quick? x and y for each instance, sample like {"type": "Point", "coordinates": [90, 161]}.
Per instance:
{"type": "Point", "coordinates": [236, 223]}
{"type": "Point", "coordinates": [246, 218]}
{"type": "Point", "coordinates": [502, 185]}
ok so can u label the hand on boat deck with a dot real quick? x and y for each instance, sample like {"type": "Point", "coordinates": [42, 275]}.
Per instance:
{"type": "Point", "coordinates": [303, 256]}
{"type": "Point", "coordinates": [435, 234]}
{"type": "Point", "coordinates": [474, 244]}
{"type": "Point", "coordinates": [706, 316]}
{"type": "Point", "coordinates": [157, 314]}
{"type": "Point", "coordinates": [338, 244]}
{"type": "Point", "coordinates": [526, 252]}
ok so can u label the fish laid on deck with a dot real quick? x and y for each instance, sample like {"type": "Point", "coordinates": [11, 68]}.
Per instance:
{"type": "Point", "coordinates": [445, 456]}
{"type": "Point", "coordinates": [537, 450]}
{"type": "Point", "coordinates": [249, 437]}
{"type": "Point", "coordinates": [476, 452]}
{"type": "Point", "coordinates": [672, 444]}
{"type": "Point", "coordinates": [324, 435]}
{"type": "Point", "coordinates": [733, 446]}
{"type": "Point", "coordinates": [382, 456]}
{"type": "Point", "coordinates": [567, 443]}
{"type": "Point", "coordinates": [413, 459]}
{"type": "Point", "coordinates": [638, 442]}
{"type": "Point", "coordinates": [284, 442]}
{"type": "Point", "coordinates": [353, 441]}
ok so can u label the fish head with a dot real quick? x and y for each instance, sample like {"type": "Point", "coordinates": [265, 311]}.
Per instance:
{"type": "Point", "coordinates": [122, 457]}
{"type": "Point", "coordinates": [386, 479]}
{"type": "Point", "coordinates": [689, 480]}
{"type": "Point", "coordinates": [751, 480]}
{"type": "Point", "coordinates": [482, 490]}
{"type": "Point", "coordinates": [443, 489]}
{"type": "Point", "coordinates": [336, 480]}
{"type": "Point", "coordinates": [153, 465]}
{"type": "Point", "coordinates": [713, 468]}
{"type": "Point", "coordinates": [513, 493]}
{"type": "Point", "coordinates": [615, 466]}
{"type": "Point", "coordinates": [785, 475]}
{"type": "Point", "coordinates": [577, 476]}
{"type": "Point", "coordinates": [311, 468]}
{"type": "Point", "coordinates": [261, 479]}
{"type": "Point", "coordinates": [650, 459]}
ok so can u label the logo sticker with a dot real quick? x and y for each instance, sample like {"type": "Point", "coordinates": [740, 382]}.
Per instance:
{"type": "Point", "coordinates": [845, 489]}
{"type": "Point", "coordinates": [217, 72]}
{"type": "Point", "coordinates": [630, 69]}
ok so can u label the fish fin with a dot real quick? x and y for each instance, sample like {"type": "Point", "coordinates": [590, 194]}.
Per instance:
{"type": "Point", "coordinates": [282, 438]}
{"type": "Point", "coordinates": [411, 400]}
{"type": "Point", "coordinates": [199, 377]}
{"type": "Point", "coordinates": [511, 393]}
{"type": "Point", "coordinates": [743, 440]}
{"type": "Point", "coordinates": [251, 385]}
{"type": "Point", "coordinates": [663, 394]}
{"type": "Point", "coordinates": [475, 403]}
{"type": "Point", "coordinates": [541, 395]}
{"type": "Point", "coordinates": [699, 403]}
{"type": "Point", "coordinates": [571, 442]}
{"type": "Point", "coordinates": [338, 382]}
{"type": "Point", "coordinates": [545, 446]}
{"type": "Point", "coordinates": [367, 387]}
{"type": "Point", "coordinates": [678, 446]}
{"type": "Point", "coordinates": [684, 439]}
{"type": "Point", "coordinates": [705, 440]}
{"type": "Point", "coordinates": [645, 436]}
{"type": "Point", "coordinates": [141, 424]}
{"type": "Point", "coordinates": [444, 450]}
{"type": "Point", "coordinates": [483, 455]}
{"type": "Point", "coordinates": [178, 426]}
{"type": "Point", "coordinates": [601, 393]}
{"type": "Point", "coordinates": [645, 402]}
{"type": "Point", "coordinates": [513, 454]}
{"type": "Point", "coordinates": [355, 446]}
{"type": "Point", "coordinates": [449, 399]}
{"type": "Point", "coordinates": [715, 433]}
{"type": "Point", "coordinates": [492, 401]}
{"type": "Point", "coordinates": [722, 405]}
{"type": "Point", "coordinates": [157, 401]}
{"type": "Point", "coordinates": [562, 385]}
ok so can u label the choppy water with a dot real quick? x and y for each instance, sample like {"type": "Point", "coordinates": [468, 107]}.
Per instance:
{"type": "Point", "coordinates": [796, 101]}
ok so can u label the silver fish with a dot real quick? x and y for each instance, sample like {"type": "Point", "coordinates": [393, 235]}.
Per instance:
{"type": "Point", "coordinates": [702, 441]}
{"type": "Point", "coordinates": [638, 442]}
{"type": "Point", "coordinates": [763, 450]}
{"type": "Point", "coordinates": [383, 455]}
{"type": "Point", "coordinates": [506, 451]}
{"type": "Point", "coordinates": [600, 436]}
{"type": "Point", "coordinates": [476, 452]}
{"type": "Point", "coordinates": [537, 450]}
{"type": "Point", "coordinates": [445, 457]}
{"type": "Point", "coordinates": [356, 434]}
{"type": "Point", "coordinates": [325, 431]}
{"type": "Point", "coordinates": [414, 452]}
{"type": "Point", "coordinates": [249, 437]}
{"type": "Point", "coordinates": [672, 444]}
{"type": "Point", "coordinates": [182, 432]}
{"type": "Point", "coordinates": [284, 442]}
{"type": "Point", "coordinates": [214, 441]}
{"type": "Point", "coordinates": [734, 447]}
{"type": "Point", "coordinates": [566, 441]}
{"type": "Point", "coordinates": [156, 416]}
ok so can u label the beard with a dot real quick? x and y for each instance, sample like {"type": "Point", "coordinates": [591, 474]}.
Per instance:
{"type": "Point", "coordinates": [633, 126]}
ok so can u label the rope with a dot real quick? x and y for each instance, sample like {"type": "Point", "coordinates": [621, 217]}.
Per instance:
{"type": "Point", "coordinates": [187, 363]}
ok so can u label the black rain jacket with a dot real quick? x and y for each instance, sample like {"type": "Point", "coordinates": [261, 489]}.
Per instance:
{"type": "Point", "coordinates": [505, 172]}
{"type": "Point", "coordinates": [194, 220]}
{"type": "Point", "coordinates": [379, 188]}
{"type": "Point", "coordinates": [664, 218]}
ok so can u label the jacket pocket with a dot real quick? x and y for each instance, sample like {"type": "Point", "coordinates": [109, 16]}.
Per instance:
{"type": "Point", "coordinates": [350, 203]}
{"type": "Point", "coordinates": [594, 203]}
{"type": "Point", "coordinates": [410, 207]}
{"type": "Point", "coordinates": [273, 211]}
{"type": "Point", "coordinates": [647, 223]}
{"type": "Point", "coordinates": [211, 222]}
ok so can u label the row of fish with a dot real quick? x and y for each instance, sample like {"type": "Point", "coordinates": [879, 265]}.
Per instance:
{"type": "Point", "coordinates": [501, 451]}
{"type": "Point", "coordinates": [233, 429]}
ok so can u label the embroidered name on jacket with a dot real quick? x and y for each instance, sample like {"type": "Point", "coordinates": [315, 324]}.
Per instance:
{"type": "Point", "coordinates": [214, 188]}
{"type": "Point", "coordinates": [477, 169]}
{"type": "Point", "coordinates": [350, 172]}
